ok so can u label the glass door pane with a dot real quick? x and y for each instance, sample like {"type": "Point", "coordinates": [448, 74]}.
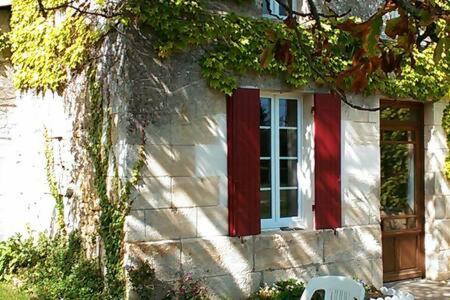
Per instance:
{"type": "Point", "coordinates": [398, 186]}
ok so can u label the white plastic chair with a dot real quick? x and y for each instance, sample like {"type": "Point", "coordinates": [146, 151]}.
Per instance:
{"type": "Point", "coordinates": [335, 287]}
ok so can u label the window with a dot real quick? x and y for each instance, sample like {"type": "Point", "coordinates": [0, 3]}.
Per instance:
{"type": "Point", "coordinates": [275, 8]}
{"type": "Point", "coordinates": [280, 128]}
{"type": "Point", "coordinates": [299, 161]}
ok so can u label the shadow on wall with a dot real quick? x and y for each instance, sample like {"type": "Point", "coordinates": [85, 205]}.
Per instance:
{"type": "Point", "coordinates": [437, 195]}
{"type": "Point", "coordinates": [179, 217]}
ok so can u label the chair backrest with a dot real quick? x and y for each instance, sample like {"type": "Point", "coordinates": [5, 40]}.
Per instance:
{"type": "Point", "coordinates": [335, 287]}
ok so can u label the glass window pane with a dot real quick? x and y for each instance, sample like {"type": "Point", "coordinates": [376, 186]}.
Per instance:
{"type": "Point", "coordinates": [288, 203]}
{"type": "Point", "coordinates": [288, 142]}
{"type": "Point", "coordinates": [282, 11]}
{"type": "Point", "coordinates": [288, 173]}
{"type": "Point", "coordinates": [265, 173]}
{"type": "Point", "coordinates": [266, 204]}
{"type": "Point", "coordinates": [391, 224]}
{"type": "Point", "coordinates": [398, 135]}
{"type": "Point", "coordinates": [264, 117]}
{"type": "Point", "coordinates": [397, 179]}
{"type": "Point", "coordinates": [265, 143]}
{"type": "Point", "coordinates": [288, 113]}
{"type": "Point", "coordinates": [399, 114]}
{"type": "Point", "coordinates": [265, 11]}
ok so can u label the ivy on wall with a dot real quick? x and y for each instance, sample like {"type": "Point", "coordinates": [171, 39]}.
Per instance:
{"type": "Point", "coordinates": [113, 195]}
{"type": "Point", "coordinates": [45, 49]}
{"type": "Point", "coordinates": [446, 126]}
{"type": "Point", "coordinates": [52, 183]}
{"type": "Point", "coordinates": [235, 46]}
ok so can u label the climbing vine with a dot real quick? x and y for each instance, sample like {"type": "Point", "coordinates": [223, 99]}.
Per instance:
{"type": "Point", "coordinates": [43, 50]}
{"type": "Point", "coordinates": [114, 201]}
{"type": "Point", "coordinates": [446, 126]}
{"type": "Point", "coordinates": [46, 48]}
{"type": "Point", "coordinates": [52, 183]}
{"type": "Point", "coordinates": [239, 45]}
{"type": "Point", "coordinates": [51, 39]}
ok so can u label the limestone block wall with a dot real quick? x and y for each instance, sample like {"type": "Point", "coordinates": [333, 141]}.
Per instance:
{"type": "Point", "coordinates": [437, 195]}
{"type": "Point", "coordinates": [360, 163]}
{"type": "Point", "coordinates": [179, 216]}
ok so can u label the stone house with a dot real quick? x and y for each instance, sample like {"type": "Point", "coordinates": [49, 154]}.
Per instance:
{"type": "Point", "coordinates": [268, 184]}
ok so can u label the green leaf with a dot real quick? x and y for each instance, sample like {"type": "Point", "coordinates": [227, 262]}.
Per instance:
{"type": "Point", "coordinates": [375, 31]}
{"type": "Point", "coordinates": [391, 26]}
{"type": "Point", "coordinates": [441, 45]}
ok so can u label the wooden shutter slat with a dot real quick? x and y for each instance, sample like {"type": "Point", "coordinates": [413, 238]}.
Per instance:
{"type": "Point", "coordinates": [327, 152]}
{"type": "Point", "coordinates": [243, 109]}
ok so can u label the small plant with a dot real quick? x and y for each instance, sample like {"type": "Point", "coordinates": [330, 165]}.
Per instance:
{"type": "Point", "coordinates": [283, 289]}
{"type": "Point", "coordinates": [142, 279]}
{"type": "Point", "coordinates": [371, 291]}
{"type": "Point", "coordinates": [51, 268]}
{"type": "Point", "coordinates": [15, 253]}
{"type": "Point", "coordinates": [8, 291]}
{"type": "Point", "coordinates": [188, 288]}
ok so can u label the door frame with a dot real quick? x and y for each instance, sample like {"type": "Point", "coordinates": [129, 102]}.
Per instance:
{"type": "Point", "coordinates": [419, 194]}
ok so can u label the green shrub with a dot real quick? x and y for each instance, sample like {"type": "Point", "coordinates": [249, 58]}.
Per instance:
{"type": "Point", "coordinates": [145, 284]}
{"type": "Point", "coordinates": [10, 292]}
{"type": "Point", "coordinates": [16, 253]}
{"type": "Point", "coordinates": [51, 268]}
{"type": "Point", "coordinates": [142, 279]}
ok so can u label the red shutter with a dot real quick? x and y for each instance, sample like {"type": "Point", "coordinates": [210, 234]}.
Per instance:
{"type": "Point", "coordinates": [243, 162]}
{"type": "Point", "coordinates": [327, 152]}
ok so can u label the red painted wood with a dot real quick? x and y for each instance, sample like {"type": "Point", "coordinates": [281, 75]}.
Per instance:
{"type": "Point", "coordinates": [243, 109]}
{"type": "Point", "coordinates": [327, 152]}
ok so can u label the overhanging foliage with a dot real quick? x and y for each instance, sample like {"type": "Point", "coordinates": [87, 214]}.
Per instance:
{"type": "Point", "coordinates": [348, 53]}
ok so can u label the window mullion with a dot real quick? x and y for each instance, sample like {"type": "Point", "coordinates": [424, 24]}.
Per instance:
{"type": "Point", "coordinates": [299, 159]}
{"type": "Point", "coordinates": [273, 163]}
{"type": "Point", "coordinates": [277, 160]}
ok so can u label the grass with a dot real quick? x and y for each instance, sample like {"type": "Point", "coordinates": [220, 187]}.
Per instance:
{"type": "Point", "coordinates": [8, 292]}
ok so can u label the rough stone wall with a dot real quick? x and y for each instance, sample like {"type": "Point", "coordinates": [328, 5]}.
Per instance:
{"type": "Point", "coordinates": [179, 217]}
{"type": "Point", "coordinates": [437, 195]}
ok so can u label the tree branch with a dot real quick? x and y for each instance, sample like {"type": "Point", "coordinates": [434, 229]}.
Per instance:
{"type": "Point", "coordinates": [331, 86]}
{"type": "Point", "coordinates": [340, 93]}
{"type": "Point", "coordinates": [408, 7]}
{"type": "Point", "coordinates": [44, 10]}
{"type": "Point", "coordinates": [313, 10]}
{"type": "Point", "coordinates": [314, 14]}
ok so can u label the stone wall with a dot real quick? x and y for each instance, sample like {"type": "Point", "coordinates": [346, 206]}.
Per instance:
{"type": "Point", "coordinates": [25, 199]}
{"type": "Point", "coordinates": [179, 217]}
{"type": "Point", "coordinates": [437, 195]}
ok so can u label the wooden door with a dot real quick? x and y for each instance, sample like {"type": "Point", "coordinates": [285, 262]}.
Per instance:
{"type": "Point", "coordinates": [402, 200]}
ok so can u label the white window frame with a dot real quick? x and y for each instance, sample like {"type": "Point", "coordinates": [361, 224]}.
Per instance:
{"type": "Point", "coordinates": [275, 8]}
{"type": "Point", "coordinates": [276, 221]}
